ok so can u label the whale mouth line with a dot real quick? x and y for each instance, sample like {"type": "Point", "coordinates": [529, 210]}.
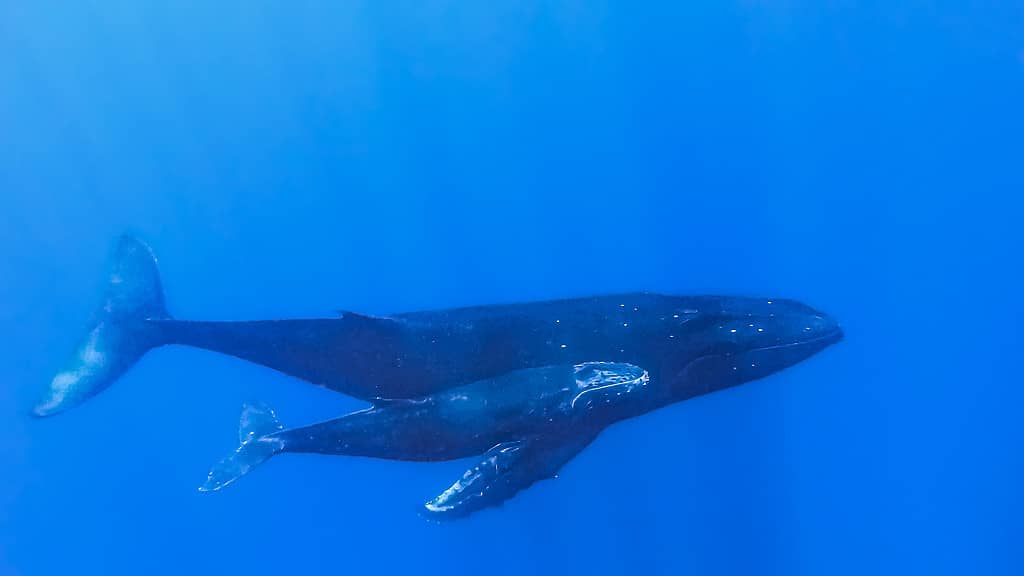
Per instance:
{"type": "Point", "coordinates": [824, 340]}
{"type": "Point", "coordinates": [831, 337]}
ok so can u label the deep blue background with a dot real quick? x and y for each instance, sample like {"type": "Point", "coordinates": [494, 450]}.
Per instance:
{"type": "Point", "coordinates": [292, 158]}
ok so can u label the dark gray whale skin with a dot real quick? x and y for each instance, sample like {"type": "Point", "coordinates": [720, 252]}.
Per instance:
{"type": "Point", "coordinates": [416, 354]}
{"type": "Point", "coordinates": [526, 423]}
{"type": "Point", "coordinates": [528, 386]}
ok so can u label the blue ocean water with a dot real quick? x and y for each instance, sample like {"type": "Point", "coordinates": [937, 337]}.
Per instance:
{"type": "Point", "coordinates": [292, 159]}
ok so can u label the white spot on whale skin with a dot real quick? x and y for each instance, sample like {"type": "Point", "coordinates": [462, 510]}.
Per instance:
{"type": "Point", "coordinates": [90, 352]}
{"type": "Point", "coordinates": [90, 360]}
{"type": "Point", "coordinates": [59, 388]}
{"type": "Point", "coordinates": [562, 346]}
{"type": "Point", "coordinates": [435, 508]}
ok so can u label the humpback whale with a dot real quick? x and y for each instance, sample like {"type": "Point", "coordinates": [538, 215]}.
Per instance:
{"type": "Point", "coordinates": [689, 345]}
{"type": "Point", "coordinates": [524, 425]}
{"type": "Point", "coordinates": [525, 387]}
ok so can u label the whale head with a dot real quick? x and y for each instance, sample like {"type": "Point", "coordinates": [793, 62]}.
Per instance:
{"type": "Point", "coordinates": [736, 340]}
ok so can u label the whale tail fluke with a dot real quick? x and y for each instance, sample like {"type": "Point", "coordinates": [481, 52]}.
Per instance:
{"type": "Point", "coordinates": [120, 334]}
{"type": "Point", "coordinates": [256, 444]}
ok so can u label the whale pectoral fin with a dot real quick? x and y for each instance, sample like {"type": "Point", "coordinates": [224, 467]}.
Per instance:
{"type": "Point", "coordinates": [505, 470]}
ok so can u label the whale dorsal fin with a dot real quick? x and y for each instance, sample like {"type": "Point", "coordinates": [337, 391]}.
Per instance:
{"type": "Point", "coordinates": [368, 322]}
{"type": "Point", "coordinates": [359, 317]}
{"type": "Point", "coordinates": [505, 470]}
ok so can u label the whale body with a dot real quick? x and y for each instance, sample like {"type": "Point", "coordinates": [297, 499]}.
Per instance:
{"type": "Point", "coordinates": [525, 386]}
{"type": "Point", "coordinates": [411, 355]}
{"type": "Point", "coordinates": [525, 424]}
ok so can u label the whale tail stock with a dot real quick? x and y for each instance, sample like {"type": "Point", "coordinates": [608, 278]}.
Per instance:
{"type": "Point", "coordinates": [256, 445]}
{"type": "Point", "coordinates": [120, 334]}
